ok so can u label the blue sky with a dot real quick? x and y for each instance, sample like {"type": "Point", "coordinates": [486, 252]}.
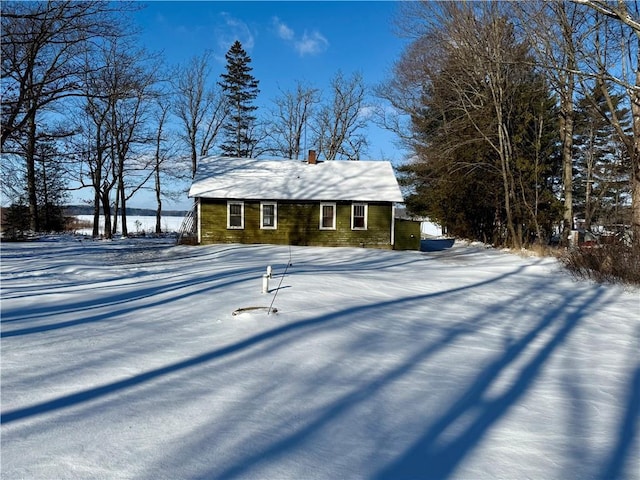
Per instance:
{"type": "Point", "coordinates": [287, 42]}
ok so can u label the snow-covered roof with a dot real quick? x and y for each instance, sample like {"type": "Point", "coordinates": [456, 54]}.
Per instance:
{"type": "Point", "coordinates": [252, 179]}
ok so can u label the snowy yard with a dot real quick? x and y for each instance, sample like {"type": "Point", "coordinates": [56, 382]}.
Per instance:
{"type": "Point", "coordinates": [123, 360]}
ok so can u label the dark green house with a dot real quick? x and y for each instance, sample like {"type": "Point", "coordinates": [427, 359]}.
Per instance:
{"type": "Point", "coordinates": [290, 202]}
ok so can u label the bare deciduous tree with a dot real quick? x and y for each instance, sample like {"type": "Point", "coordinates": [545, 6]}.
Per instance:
{"type": "Point", "coordinates": [133, 78]}
{"type": "Point", "coordinates": [93, 148]}
{"type": "Point", "coordinates": [117, 97]}
{"type": "Point", "coordinates": [340, 123]}
{"type": "Point", "coordinates": [42, 43]}
{"type": "Point", "coordinates": [289, 119]}
{"type": "Point", "coordinates": [159, 157]}
{"type": "Point", "coordinates": [202, 110]}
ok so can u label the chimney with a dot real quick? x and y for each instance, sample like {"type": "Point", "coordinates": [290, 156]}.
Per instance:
{"type": "Point", "coordinates": [312, 157]}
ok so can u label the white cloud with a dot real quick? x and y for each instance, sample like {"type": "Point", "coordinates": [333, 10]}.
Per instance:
{"type": "Point", "coordinates": [367, 111]}
{"type": "Point", "coordinates": [231, 30]}
{"type": "Point", "coordinates": [282, 29]}
{"type": "Point", "coordinates": [311, 44]}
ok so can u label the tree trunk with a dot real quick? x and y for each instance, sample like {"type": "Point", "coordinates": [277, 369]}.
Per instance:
{"type": "Point", "coordinates": [96, 214]}
{"type": "Point", "coordinates": [635, 162]}
{"type": "Point", "coordinates": [116, 213]}
{"type": "Point", "coordinates": [158, 201]}
{"type": "Point", "coordinates": [635, 202]}
{"type": "Point", "coordinates": [504, 152]}
{"type": "Point", "coordinates": [194, 159]}
{"type": "Point", "coordinates": [566, 135]}
{"type": "Point", "coordinates": [106, 211]}
{"type": "Point", "coordinates": [588, 210]}
{"type": "Point", "coordinates": [96, 179]}
{"type": "Point", "coordinates": [158, 164]}
{"type": "Point", "coordinates": [123, 208]}
{"type": "Point", "coordinates": [31, 174]}
{"type": "Point", "coordinates": [46, 217]}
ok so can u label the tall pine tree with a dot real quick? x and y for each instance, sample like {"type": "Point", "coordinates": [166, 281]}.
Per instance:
{"type": "Point", "coordinates": [602, 184]}
{"type": "Point", "coordinates": [240, 88]}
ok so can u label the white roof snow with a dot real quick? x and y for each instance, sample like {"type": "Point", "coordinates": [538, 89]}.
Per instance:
{"type": "Point", "coordinates": [252, 179]}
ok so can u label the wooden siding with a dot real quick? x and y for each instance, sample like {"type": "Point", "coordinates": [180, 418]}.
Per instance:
{"type": "Point", "coordinates": [407, 235]}
{"type": "Point", "coordinates": [298, 224]}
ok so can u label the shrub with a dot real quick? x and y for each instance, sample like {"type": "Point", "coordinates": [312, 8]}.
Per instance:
{"type": "Point", "coordinates": [74, 223]}
{"type": "Point", "coordinates": [15, 223]}
{"type": "Point", "coordinates": [604, 263]}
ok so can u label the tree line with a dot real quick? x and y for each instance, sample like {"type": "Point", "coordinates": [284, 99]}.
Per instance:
{"type": "Point", "coordinates": [82, 103]}
{"type": "Point", "coordinates": [519, 116]}
{"type": "Point", "coordinates": [516, 116]}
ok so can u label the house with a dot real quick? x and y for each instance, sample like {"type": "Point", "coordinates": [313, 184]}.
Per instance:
{"type": "Point", "coordinates": [291, 202]}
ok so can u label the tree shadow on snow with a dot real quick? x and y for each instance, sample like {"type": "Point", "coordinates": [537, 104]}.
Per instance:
{"type": "Point", "coordinates": [430, 456]}
{"type": "Point", "coordinates": [434, 457]}
{"type": "Point", "coordinates": [126, 298]}
{"type": "Point", "coordinates": [623, 450]}
{"type": "Point", "coordinates": [435, 454]}
{"type": "Point", "coordinates": [114, 387]}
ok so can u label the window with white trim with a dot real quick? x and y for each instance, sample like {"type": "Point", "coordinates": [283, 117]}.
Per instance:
{"type": "Point", "coordinates": [327, 216]}
{"type": "Point", "coordinates": [268, 215]}
{"type": "Point", "coordinates": [235, 215]}
{"type": "Point", "coordinates": [359, 216]}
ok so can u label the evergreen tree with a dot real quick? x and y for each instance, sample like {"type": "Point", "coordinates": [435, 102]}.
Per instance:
{"type": "Point", "coordinates": [51, 188]}
{"type": "Point", "coordinates": [51, 195]}
{"type": "Point", "coordinates": [240, 89]}
{"type": "Point", "coordinates": [16, 220]}
{"type": "Point", "coordinates": [482, 130]}
{"type": "Point", "coordinates": [602, 182]}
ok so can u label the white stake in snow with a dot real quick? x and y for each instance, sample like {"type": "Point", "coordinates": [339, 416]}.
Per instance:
{"type": "Point", "coordinates": [265, 283]}
{"type": "Point", "coordinates": [269, 271]}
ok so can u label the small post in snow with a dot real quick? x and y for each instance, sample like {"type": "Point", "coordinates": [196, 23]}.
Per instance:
{"type": "Point", "coordinates": [265, 283]}
{"type": "Point", "coordinates": [269, 271]}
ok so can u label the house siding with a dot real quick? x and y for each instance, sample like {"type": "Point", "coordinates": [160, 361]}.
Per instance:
{"type": "Point", "coordinates": [407, 234]}
{"type": "Point", "coordinates": [298, 224]}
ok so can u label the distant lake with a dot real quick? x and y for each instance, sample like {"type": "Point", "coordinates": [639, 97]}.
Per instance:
{"type": "Point", "coordinates": [135, 224]}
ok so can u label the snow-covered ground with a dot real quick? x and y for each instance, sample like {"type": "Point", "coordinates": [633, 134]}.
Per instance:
{"type": "Point", "coordinates": [122, 359]}
{"type": "Point", "coordinates": [136, 224]}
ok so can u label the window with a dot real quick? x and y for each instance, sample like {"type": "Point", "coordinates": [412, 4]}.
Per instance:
{"type": "Point", "coordinates": [327, 216]}
{"type": "Point", "coordinates": [359, 216]}
{"type": "Point", "coordinates": [268, 215]}
{"type": "Point", "coordinates": [235, 215]}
